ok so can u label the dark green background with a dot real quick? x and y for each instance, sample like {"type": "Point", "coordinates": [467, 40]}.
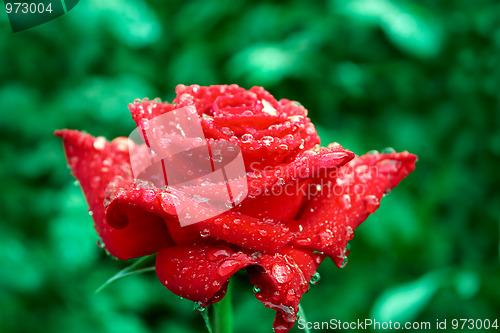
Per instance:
{"type": "Point", "coordinates": [422, 76]}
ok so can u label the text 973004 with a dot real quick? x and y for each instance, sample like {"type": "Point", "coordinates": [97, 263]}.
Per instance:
{"type": "Point", "coordinates": [25, 7]}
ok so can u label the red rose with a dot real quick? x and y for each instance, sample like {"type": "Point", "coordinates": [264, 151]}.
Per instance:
{"type": "Point", "coordinates": [303, 203]}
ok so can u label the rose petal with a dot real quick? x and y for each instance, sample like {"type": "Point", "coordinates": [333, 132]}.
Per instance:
{"type": "Point", "coordinates": [268, 132]}
{"type": "Point", "coordinates": [99, 166]}
{"type": "Point", "coordinates": [199, 273]}
{"type": "Point", "coordinates": [309, 164]}
{"type": "Point", "coordinates": [348, 195]}
{"type": "Point", "coordinates": [281, 280]}
{"type": "Point", "coordinates": [281, 203]}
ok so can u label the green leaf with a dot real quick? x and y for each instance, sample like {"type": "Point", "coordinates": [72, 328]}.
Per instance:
{"type": "Point", "coordinates": [142, 265]}
{"type": "Point", "coordinates": [406, 301]}
{"type": "Point", "coordinates": [410, 27]}
{"type": "Point", "coordinates": [413, 30]}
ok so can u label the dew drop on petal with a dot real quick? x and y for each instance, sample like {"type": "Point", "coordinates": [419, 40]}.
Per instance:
{"type": "Point", "coordinates": [388, 150]}
{"type": "Point", "coordinates": [371, 203]}
{"type": "Point", "coordinates": [346, 201]}
{"type": "Point", "coordinates": [303, 242]}
{"type": "Point", "coordinates": [216, 255]}
{"type": "Point", "coordinates": [348, 231]}
{"type": "Point", "coordinates": [281, 273]}
{"type": "Point", "coordinates": [267, 140]}
{"type": "Point", "coordinates": [262, 232]}
{"type": "Point", "coordinates": [302, 144]}
{"type": "Point", "coordinates": [226, 230]}
{"type": "Point", "coordinates": [256, 289]}
{"type": "Point", "coordinates": [148, 196]}
{"type": "Point", "coordinates": [228, 267]}
{"type": "Point", "coordinates": [100, 143]}
{"type": "Point", "coordinates": [247, 137]}
{"type": "Point", "coordinates": [344, 262]}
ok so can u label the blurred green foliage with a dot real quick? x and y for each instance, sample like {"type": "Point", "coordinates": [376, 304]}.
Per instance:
{"type": "Point", "coordinates": [422, 76]}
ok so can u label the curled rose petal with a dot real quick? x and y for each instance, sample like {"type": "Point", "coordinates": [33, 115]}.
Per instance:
{"type": "Point", "coordinates": [199, 273]}
{"type": "Point", "coordinates": [309, 164]}
{"type": "Point", "coordinates": [346, 197]}
{"type": "Point", "coordinates": [281, 280]}
{"type": "Point", "coordinates": [99, 165]}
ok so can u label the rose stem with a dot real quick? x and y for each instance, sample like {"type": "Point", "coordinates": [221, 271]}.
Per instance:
{"type": "Point", "coordinates": [223, 313]}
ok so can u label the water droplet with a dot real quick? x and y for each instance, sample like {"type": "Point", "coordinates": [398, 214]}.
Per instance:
{"type": "Point", "coordinates": [344, 262]}
{"type": "Point", "coordinates": [100, 244]}
{"type": "Point", "coordinates": [346, 201]}
{"type": "Point", "coordinates": [91, 213]}
{"type": "Point", "coordinates": [227, 131]}
{"type": "Point", "coordinates": [290, 295]}
{"type": "Point", "coordinates": [326, 238]}
{"type": "Point", "coordinates": [371, 203]}
{"type": "Point", "coordinates": [262, 232]}
{"type": "Point", "coordinates": [216, 255]}
{"type": "Point", "coordinates": [301, 144]}
{"type": "Point", "coordinates": [170, 203]}
{"type": "Point", "coordinates": [228, 267]}
{"type": "Point", "coordinates": [289, 139]}
{"type": "Point", "coordinates": [348, 231]}
{"type": "Point", "coordinates": [267, 140]}
{"type": "Point", "coordinates": [347, 248]}
{"type": "Point", "coordinates": [303, 242]}
{"type": "Point", "coordinates": [148, 196]}
{"type": "Point", "coordinates": [247, 137]}
{"type": "Point", "coordinates": [226, 230]}
{"type": "Point", "coordinates": [256, 289]}
{"type": "Point", "coordinates": [197, 141]}
{"type": "Point", "coordinates": [315, 278]}
{"type": "Point", "coordinates": [268, 108]}
{"type": "Point", "coordinates": [247, 113]}
{"type": "Point", "coordinates": [373, 152]}
{"type": "Point", "coordinates": [281, 273]}
{"type": "Point", "coordinates": [387, 192]}
{"type": "Point", "coordinates": [388, 150]}
{"type": "Point", "coordinates": [198, 307]}
{"type": "Point", "coordinates": [237, 221]}
{"type": "Point", "coordinates": [100, 143]}
{"type": "Point", "coordinates": [205, 233]}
